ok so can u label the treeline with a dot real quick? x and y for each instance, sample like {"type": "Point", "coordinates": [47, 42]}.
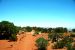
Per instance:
{"type": "Point", "coordinates": [45, 30]}
{"type": "Point", "coordinates": [8, 30]}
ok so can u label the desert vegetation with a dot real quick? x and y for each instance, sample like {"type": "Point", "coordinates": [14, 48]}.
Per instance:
{"type": "Point", "coordinates": [8, 30]}
{"type": "Point", "coordinates": [41, 43]}
{"type": "Point", "coordinates": [60, 37]}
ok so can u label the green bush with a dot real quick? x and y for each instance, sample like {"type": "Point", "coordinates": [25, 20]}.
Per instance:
{"type": "Point", "coordinates": [53, 36]}
{"type": "Point", "coordinates": [7, 29]}
{"type": "Point", "coordinates": [41, 43]}
{"type": "Point", "coordinates": [69, 46]}
{"type": "Point", "coordinates": [60, 30]}
{"type": "Point", "coordinates": [49, 36]}
{"type": "Point", "coordinates": [65, 42]}
{"type": "Point", "coordinates": [59, 44]}
{"type": "Point", "coordinates": [28, 29]}
{"type": "Point", "coordinates": [14, 37]}
{"type": "Point", "coordinates": [44, 30]}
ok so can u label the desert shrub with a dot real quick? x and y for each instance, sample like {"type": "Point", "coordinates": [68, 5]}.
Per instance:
{"type": "Point", "coordinates": [28, 29]}
{"type": "Point", "coordinates": [63, 43]}
{"type": "Point", "coordinates": [59, 44]}
{"type": "Point", "coordinates": [49, 36]}
{"type": "Point", "coordinates": [41, 43]}
{"type": "Point", "coordinates": [67, 40]}
{"type": "Point", "coordinates": [53, 36]}
{"type": "Point", "coordinates": [69, 46]}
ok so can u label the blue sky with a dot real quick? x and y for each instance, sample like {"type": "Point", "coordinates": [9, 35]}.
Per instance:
{"type": "Point", "coordinates": [41, 13]}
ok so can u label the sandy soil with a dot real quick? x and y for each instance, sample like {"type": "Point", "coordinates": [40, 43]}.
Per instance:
{"type": "Point", "coordinates": [25, 42]}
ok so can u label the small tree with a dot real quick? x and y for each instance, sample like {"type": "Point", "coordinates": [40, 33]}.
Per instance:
{"type": "Point", "coordinates": [41, 43]}
{"type": "Point", "coordinates": [7, 29]}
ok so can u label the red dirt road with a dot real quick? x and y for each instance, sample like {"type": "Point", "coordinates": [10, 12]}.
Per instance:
{"type": "Point", "coordinates": [26, 43]}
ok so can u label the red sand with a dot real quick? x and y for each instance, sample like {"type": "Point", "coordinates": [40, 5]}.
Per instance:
{"type": "Point", "coordinates": [24, 42]}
